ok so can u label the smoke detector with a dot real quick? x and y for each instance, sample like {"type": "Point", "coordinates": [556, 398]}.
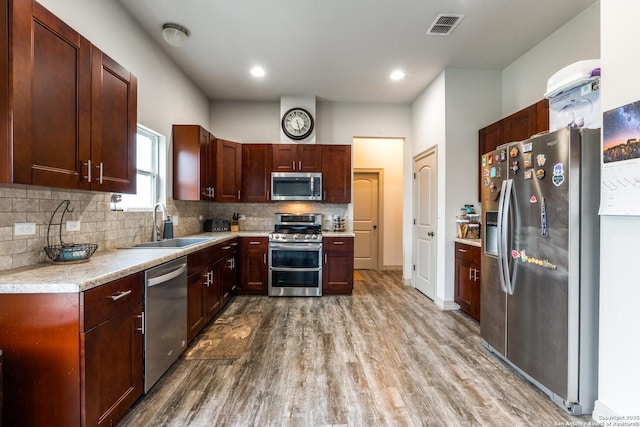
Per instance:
{"type": "Point", "coordinates": [444, 24]}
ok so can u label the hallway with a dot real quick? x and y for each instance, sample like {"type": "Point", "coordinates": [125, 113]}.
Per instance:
{"type": "Point", "coordinates": [384, 356]}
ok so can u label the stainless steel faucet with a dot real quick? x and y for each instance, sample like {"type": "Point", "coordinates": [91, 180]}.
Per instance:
{"type": "Point", "coordinates": [155, 232]}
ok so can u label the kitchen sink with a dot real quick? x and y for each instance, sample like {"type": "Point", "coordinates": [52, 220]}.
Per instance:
{"type": "Point", "coordinates": [179, 242]}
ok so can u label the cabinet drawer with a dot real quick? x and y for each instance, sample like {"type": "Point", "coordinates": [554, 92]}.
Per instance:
{"type": "Point", "coordinates": [468, 252]}
{"type": "Point", "coordinates": [255, 243]}
{"type": "Point", "coordinates": [200, 260]}
{"type": "Point", "coordinates": [104, 302]}
{"type": "Point", "coordinates": [337, 243]}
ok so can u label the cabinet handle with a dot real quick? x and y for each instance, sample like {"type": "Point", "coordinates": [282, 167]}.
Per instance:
{"type": "Point", "coordinates": [264, 258]}
{"type": "Point", "coordinates": [254, 243]}
{"type": "Point", "coordinates": [234, 244]}
{"type": "Point", "coordinates": [88, 175]}
{"type": "Point", "coordinates": [293, 165]}
{"type": "Point", "coordinates": [120, 295]}
{"type": "Point", "coordinates": [324, 195]}
{"type": "Point", "coordinates": [325, 258]}
{"type": "Point", "coordinates": [226, 248]}
{"type": "Point", "coordinates": [464, 251]}
{"type": "Point", "coordinates": [100, 169]}
{"type": "Point", "coordinates": [338, 243]}
{"type": "Point", "coordinates": [141, 328]}
{"type": "Point", "coordinates": [470, 278]}
{"type": "Point", "coordinates": [238, 194]}
{"type": "Point", "coordinates": [213, 192]}
{"type": "Point", "coordinates": [299, 165]}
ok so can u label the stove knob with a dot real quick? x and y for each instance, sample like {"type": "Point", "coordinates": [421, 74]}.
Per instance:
{"type": "Point", "coordinates": [307, 237]}
{"type": "Point", "coordinates": [295, 236]}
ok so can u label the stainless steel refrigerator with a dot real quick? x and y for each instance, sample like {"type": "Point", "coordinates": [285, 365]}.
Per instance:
{"type": "Point", "coordinates": [539, 298]}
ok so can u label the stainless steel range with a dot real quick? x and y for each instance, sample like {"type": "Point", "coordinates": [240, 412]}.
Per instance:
{"type": "Point", "coordinates": [295, 255]}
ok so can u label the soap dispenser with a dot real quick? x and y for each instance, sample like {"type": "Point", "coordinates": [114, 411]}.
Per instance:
{"type": "Point", "coordinates": [167, 229]}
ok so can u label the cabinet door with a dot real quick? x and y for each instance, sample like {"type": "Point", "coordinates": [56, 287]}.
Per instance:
{"type": "Point", "coordinates": [50, 76]}
{"type": "Point", "coordinates": [336, 173]}
{"type": "Point", "coordinates": [196, 317]}
{"type": "Point", "coordinates": [228, 171]}
{"type": "Point", "coordinates": [193, 179]}
{"type": "Point", "coordinates": [255, 268]}
{"type": "Point", "coordinates": [309, 158]}
{"type": "Point", "coordinates": [257, 161]}
{"type": "Point", "coordinates": [489, 138]}
{"type": "Point", "coordinates": [112, 349]}
{"type": "Point", "coordinates": [113, 125]}
{"type": "Point", "coordinates": [467, 279]}
{"type": "Point", "coordinates": [213, 289]}
{"type": "Point", "coordinates": [337, 271]}
{"type": "Point", "coordinates": [285, 157]}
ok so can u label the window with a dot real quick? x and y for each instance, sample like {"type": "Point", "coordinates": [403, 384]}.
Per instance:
{"type": "Point", "coordinates": [148, 151]}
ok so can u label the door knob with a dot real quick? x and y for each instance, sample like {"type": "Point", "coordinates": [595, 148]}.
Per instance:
{"type": "Point", "coordinates": [431, 233]}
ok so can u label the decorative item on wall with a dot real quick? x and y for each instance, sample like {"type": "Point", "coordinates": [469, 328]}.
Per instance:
{"type": "Point", "coordinates": [298, 119]}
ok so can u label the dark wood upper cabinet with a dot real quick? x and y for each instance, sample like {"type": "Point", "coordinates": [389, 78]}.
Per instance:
{"type": "Point", "coordinates": [113, 125]}
{"type": "Point", "coordinates": [257, 160]}
{"type": "Point", "coordinates": [336, 173]}
{"type": "Point", "coordinates": [63, 107]}
{"type": "Point", "coordinates": [519, 126]}
{"type": "Point", "coordinates": [296, 158]}
{"type": "Point", "coordinates": [228, 171]}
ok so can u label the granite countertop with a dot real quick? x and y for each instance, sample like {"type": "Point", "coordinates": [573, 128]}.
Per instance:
{"type": "Point", "coordinates": [338, 234]}
{"type": "Point", "coordinates": [471, 242]}
{"type": "Point", "coordinates": [102, 267]}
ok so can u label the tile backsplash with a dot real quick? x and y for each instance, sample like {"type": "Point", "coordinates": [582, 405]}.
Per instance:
{"type": "Point", "coordinates": [115, 229]}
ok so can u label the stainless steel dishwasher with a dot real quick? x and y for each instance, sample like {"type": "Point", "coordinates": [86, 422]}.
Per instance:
{"type": "Point", "coordinates": [165, 302]}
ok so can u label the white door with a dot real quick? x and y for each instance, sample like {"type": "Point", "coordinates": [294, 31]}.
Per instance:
{"type": "Point", "coordinates": [365, 220]}
{"type": "Point", "coordinates": [425, 222]}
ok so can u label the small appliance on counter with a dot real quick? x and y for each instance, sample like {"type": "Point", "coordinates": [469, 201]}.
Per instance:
{"type": "Point", "coordinates": [216, 225]}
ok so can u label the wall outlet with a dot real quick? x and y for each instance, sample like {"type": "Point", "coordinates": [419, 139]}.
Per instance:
{"type": "Point", "coordinates": [73, 225]}
{"type": "Point", "coordinates": [175, 219]}
{"type": "Point", "coordinates": [24, 228]}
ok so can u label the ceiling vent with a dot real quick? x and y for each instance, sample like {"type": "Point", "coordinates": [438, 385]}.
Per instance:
{"type": "Point", "coordinates": [444, 24]}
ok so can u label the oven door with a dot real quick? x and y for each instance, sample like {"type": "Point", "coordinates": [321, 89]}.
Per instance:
{"type": "Point", "coordinates": [295, 269]}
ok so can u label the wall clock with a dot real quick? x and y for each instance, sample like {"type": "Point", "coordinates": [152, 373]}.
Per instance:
{"type": "Point", "coordinates": [297, 123]}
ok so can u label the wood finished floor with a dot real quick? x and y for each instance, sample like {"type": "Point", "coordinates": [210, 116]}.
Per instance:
{"type": "Point", "coordinates": [385, 356]}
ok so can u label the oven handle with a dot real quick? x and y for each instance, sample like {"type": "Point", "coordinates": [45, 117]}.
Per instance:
{"type": "Point", "coordinates": [295, 269]}
{"type": "Point", "coordinates": [296, 246]}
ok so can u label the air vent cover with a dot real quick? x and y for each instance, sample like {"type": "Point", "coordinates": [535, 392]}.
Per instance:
{"type": "Point", "coordinates": [444, 24]}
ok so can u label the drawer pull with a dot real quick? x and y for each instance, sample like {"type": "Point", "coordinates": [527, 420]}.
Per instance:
{"type": "Point", "coordinates": [120, 295]}
{"type": "Point", "coordinates": [338, 243]}
{"type": "Point", "coordinates": [226, 248]}
{"type": "Point", "coordinates": [254, 243]}
{"type": "Point", "coordinates": [462, 250]}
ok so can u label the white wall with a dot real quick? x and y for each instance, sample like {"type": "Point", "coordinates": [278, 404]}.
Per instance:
{"type": "Point", "coordinates": [448, 114]}
{"type": "Point", "coordinates": [524, 82]}
{"type": "Point", "coordinates": [619, 369]}
{"type": "Point", "coordinates": [336, 123]}
{"type": "Point", "coordinates": [165, 94]}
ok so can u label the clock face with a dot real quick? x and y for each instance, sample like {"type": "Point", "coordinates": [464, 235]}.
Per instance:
{"type": "Point", "coordinates": [297, 123]}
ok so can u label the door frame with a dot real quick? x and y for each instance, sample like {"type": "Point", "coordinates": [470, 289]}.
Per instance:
{"type": "Point", "coordinates": [380, 173]}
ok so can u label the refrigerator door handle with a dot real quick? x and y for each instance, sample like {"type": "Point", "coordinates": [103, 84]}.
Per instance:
{"type": "Point", "coordinates": [503, 224]}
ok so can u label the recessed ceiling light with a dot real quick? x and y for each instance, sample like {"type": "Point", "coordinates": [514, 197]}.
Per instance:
{"type": "Point", "coordinates": [257, 71]}
{"type": "Point", "coordinates": [397, 75]}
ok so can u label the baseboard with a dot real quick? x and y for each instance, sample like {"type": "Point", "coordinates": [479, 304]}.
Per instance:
{"type": "Point", "coordinates": [604, 415]}
{"type": "Point", "coordinates": [407, 282]}
{"type": "Point", "coordinates": [446, 305]}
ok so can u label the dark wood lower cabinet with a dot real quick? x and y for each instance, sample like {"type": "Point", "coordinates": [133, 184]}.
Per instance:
{"type": "Point", "coordinates": [72, 358]}
{"type": "Point", "coordinates": [337, 269]}
{"type": "Point", "coordinates": [254, 272]}
{"type": "Point", "coordinates": [467, 279]}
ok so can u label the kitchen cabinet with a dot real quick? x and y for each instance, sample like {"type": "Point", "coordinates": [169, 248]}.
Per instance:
{"type": "Point", "coordinates": [337, 268]}
{"type": "Point", "coordinates": [228, 184]}
{"type": "Point", "coordinates": [72, 358]}
{"type": "Point", "coordinates": [516, 127]}
{"type": "Point", "coordinates": [257, 161]}
{"type": "Point", "coordinates": [336, 173]}
{"type": "Point", "coordinates": [203, 288]}
{"type": "Point", "coordinates": [467, 279]}
{"type": "Point", "coordinates": [296, 158]}
{"type": "Point", "coordinates": [113, 349]}
{"type": "Point", "coordinates": [193, 163]}
{"type": "Point", "coordinates": [205, 168]}
{"type": "Point", "coordinates": [254, 267]}
{"type": "Point", "coordinates": [229, 259]}
{"type": "Point", "coordinates": [72, 110]}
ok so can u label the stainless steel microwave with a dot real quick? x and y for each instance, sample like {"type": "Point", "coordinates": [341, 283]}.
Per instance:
{"type": "Point", "coordinates": [296, 186]}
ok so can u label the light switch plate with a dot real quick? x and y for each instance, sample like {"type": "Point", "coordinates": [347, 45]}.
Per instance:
{"type": "Point", "coordinates": [73, 225]}
{"type": "Point", "coordinates": [24, 228]}
{"type": "Point", "coordinates": [175, 219]}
